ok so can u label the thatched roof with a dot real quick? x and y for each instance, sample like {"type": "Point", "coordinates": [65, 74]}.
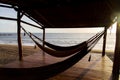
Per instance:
{"type": "Point", "coordinates": [69, 13]}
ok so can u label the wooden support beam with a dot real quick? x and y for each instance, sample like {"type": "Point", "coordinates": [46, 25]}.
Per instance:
{"type": "Point", "coordinates": [34, 20]}
{"type": "Point", "coordinates": [116, 63]}
{"type": "Point", "coordinates": [6, 6]}
{"type": "Point", "coordinates": [19, 35]}
{"type": "Point", "coordinates": [104, 42]}
{"type": "Point", "coordinates": [43, 40]}
{"type": "Point", "coordinates": [13, 19]}
{"type": "Point", "coordinates": [31, 24]}
{"type": "Point", "coordinates": [6, 18]}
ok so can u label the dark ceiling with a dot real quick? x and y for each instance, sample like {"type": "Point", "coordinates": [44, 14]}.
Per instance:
{"type": "Point", "coordinates": [69, 13]}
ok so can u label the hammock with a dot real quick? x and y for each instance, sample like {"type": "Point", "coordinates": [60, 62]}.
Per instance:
{"type": "Point", "coordinates": [45, 72]}
{"type": "Point", "coordinates": [56, 47]}
{"type": "Point", "coordinates": [54, 52]}
{"type": "Point", "coordinates": [63, 53]}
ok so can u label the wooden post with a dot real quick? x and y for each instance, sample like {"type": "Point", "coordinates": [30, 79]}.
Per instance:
{"type": "Point", "coordinates": [116, 63]}
{"type": "Point", "coordinates": [104, 42]}
{"type": "Point", "coordinates": [43, 40]}
{"type": "Point", "coordinates": [19, 35]}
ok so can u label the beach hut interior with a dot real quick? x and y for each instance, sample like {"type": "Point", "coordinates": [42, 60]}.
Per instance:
{"type": "Point", "coordinates": [55, 62]}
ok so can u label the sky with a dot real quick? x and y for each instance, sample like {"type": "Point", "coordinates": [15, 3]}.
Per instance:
{"type": "Point", "coordinates": [11, 26]}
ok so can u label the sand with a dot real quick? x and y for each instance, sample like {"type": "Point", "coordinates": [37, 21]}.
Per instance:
{"type": "Point", "coordinates": [9, 53]}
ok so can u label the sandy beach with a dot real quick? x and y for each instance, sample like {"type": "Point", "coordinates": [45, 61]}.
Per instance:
{"type": "Point", "coordinates": [9, 53]}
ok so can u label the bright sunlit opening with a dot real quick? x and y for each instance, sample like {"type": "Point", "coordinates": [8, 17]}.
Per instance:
{"type": "Point", "coordinates": [112, 29]}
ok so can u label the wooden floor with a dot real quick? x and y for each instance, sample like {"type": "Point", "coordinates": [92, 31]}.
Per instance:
{"type": "Point", "coordinates": [97, 69]}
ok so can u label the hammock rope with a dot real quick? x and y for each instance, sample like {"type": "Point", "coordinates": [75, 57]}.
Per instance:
{"type": "Point", "coordinates": [54, 52]}
{"type": "Point", "coordinates": [64, 53]}
{"type": "Point", "coordinates": [70, 47]}
{"type": "Point", "coordinates": [56, 47]}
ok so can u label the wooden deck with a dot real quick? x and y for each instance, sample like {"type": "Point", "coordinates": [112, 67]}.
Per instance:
{"type": "Point", "coordinates": [97, 69]}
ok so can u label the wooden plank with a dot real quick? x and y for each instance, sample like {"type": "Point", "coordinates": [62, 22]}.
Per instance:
{"type": "Point", "coordinates": [116, 64]}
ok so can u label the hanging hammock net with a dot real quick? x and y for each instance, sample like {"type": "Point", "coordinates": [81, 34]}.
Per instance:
{"type": "Point", "coordinates": [59, 51]}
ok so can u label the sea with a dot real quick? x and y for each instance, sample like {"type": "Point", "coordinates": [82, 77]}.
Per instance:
{"type": "Point", "coordinates": [61, 39]}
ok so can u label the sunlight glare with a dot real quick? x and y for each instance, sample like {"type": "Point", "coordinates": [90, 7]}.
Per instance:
{"type": "Point", "coordinates": [112, 29]}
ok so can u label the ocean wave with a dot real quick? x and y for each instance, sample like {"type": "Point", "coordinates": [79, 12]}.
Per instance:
{"type": "Point", "coordinates": [5, 34]}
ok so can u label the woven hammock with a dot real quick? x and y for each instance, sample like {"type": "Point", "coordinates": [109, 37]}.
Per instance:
{"type": "Point", "coordinates": [65, 53]}
{"type": "Point", "coordinates": [62, 48]}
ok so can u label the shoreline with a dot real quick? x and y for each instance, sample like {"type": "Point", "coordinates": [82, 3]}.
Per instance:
{"type": "Point", "coordinates": [9, 53]}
